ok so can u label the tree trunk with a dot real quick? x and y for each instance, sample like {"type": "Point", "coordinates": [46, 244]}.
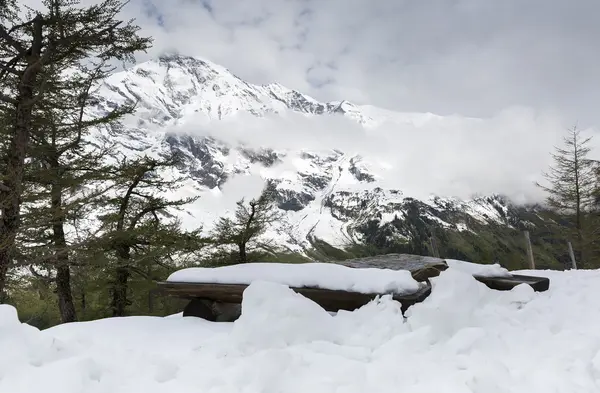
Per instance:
{"type": "Point", "coordinates": [3, 276]}
{"type": "Point", "coordinates": [121, 283]}
{"type": "Point", "coordinates": [10, 196]}
{"type": "Point", "coordinates": [120, 301]}
{"type": "Point", "coordinates": [11, 199]}
{"type": "Point", "coordinates": [65, 298]}
{"type": "Point", "coordinates": [243, 254]}
{"type": "Point", "coordinates": [83, 301]}
{"type": "Point", "coordinates": [61, 258]}
{"type": "Point", "coordinates": [12, 187]}
{"type": "Point", "coordinates": [150, 301]}
{"type": "Point", "coordinates": [582, 254]}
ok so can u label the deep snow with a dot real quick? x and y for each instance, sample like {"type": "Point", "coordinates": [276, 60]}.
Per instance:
{"type": "Point", "coordinates": [463, 338]}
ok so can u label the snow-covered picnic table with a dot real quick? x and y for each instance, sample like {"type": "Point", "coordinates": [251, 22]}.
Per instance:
{"type": "Point", "coordinates": [216, 293]}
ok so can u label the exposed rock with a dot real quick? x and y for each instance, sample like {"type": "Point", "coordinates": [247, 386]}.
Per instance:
{"type": "Point", "coordinates": [293, 201]}
{"type": "Point", "coordinates": [266, 157]}
{"type": "Point", "coordinates": [360, 173]}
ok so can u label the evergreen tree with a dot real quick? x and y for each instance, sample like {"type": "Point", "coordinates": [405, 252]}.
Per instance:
{"type": "Point", "coordinates": [570, 189]}
{"type": "Point", "coordinates": [45, 58]}
{"type": "Point", "coordinates": [65, 176]}
{"type": "Point", "coordinates": [249, 222]}
{"type": "Point", "coordinates": [138, 229]}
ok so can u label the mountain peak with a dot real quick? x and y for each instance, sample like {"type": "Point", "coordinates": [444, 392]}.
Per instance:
{"type": "Point", "coordinates": [192, 62]}
{"type": "Point", "coordinates": [174, 86]}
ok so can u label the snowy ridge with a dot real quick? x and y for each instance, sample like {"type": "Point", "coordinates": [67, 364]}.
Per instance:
{"type": "Point", "coordinates": [326, 194]}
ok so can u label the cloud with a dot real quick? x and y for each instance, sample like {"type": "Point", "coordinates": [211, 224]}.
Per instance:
{"type": "Point", "coordinates": [473, 57]}
{"type": "Point", "coordinates": [420, 154]}
{"type": "Point", "coordinates": [241, 186]}
{"type": "Point", "coordinates": [216, 203]}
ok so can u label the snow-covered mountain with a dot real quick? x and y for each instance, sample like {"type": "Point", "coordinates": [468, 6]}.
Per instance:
{"type": "Point", "coordinates": [329, 195]}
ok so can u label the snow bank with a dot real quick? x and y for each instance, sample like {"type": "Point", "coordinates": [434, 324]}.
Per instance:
{"type": "Point", "coordinates": [23, 350]}
{"type": "Point", "coordinates": [465, 338]}
{"type": "Point", "coordinates": [319, 275]}
{"type": "Point", "coordinates": [292, 319]}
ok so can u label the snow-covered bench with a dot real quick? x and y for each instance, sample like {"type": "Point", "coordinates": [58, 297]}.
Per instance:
{"type": "Point", "coordinates": [216, 294]}
{"type": "Point", "coordinates": [423, 268]}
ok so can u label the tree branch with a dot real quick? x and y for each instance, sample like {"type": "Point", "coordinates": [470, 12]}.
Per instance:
{"type": "Point", "coordinates": [7, 99]}
{"type": "Point", "coordinates": [12, 42]}
{"type": "Point", "coordinates": [9, 67]}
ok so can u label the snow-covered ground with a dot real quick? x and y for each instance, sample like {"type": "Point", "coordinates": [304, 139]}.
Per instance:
{"type": "Point", "coordinates": [464, 338]}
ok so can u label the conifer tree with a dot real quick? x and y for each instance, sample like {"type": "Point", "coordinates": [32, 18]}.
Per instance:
{"type": "Point", "coordinates": [138, 228]}
{"type": "Point", "coordinates": [250, 221]}
{"type": "Point", "coordinates": [45, 57]}
{"type": "Point", "coordinates": [65, 175]}
{"type": "Point", "coordinates": [571, 183]}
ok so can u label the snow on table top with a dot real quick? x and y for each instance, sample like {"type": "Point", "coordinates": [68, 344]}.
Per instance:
{"type": "Point", "coordinates": [476, 269]}
{"type": "Point", "coordinates": [316, 275]}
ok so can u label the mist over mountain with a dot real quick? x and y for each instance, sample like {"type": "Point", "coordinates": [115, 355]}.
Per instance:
{"type": "Point", "coordinates": [344, 174]}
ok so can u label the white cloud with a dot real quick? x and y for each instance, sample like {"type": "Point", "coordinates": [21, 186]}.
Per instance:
{"type": "Point", "coordinates": [419, 154]}
{"type": "Point", "coordinates": [473, 57]}
{"type": "Point", "coordinates": [216, 203]}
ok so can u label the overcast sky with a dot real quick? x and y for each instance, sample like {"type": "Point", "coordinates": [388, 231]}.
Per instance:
{"type": "Point", "coordinates": [473, 57]}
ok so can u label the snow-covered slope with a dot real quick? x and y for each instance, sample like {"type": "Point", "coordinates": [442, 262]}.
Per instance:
{"type": "Point", "coordinates": [327, 194]}
{"type": "Point", "coordinates": [175, 87]}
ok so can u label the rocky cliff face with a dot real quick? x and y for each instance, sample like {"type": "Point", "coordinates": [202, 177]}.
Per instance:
{"type": "Point", "coordinates": [331, 195]}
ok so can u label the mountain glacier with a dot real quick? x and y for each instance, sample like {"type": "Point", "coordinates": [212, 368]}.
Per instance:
{"type": "Point", "coordinates": [328, 195]}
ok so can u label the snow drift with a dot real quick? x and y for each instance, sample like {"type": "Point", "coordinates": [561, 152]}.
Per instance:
{"type": "Point", "coordinates": [463, 338]}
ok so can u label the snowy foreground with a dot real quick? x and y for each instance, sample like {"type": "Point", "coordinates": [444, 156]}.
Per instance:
{"type": "Point", "coordinates": [463, 338]}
